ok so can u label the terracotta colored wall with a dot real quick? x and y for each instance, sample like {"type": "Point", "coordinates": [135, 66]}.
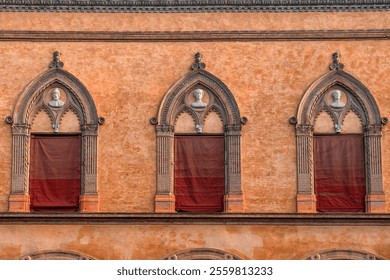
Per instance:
{"type": "Point", "coordinates": [128, 80]}
{"type": "Point", "coordinates": [194, 21]}
{"type": "Point", "coordinates": [157, 241]}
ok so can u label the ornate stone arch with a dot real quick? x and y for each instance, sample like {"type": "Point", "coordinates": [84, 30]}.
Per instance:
{"type": "Point", "coordinates": [56, 255]}
{"type": "Point", "coordinates": [34, 99]}
{"type": "Point", "coordinates": [202, 254]}
{"type": "Point", "coordinates": [357, 99]}
{"type": "Point", "coordinates": [221, 101]}
{"type": "Point", "coordinates": [343, 254]}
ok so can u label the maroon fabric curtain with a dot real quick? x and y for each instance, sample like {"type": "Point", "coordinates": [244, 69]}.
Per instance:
{"type": "Point", "coordinates": [339, 174]}
{"type": "Point", "coordinates": [55, 173]}
{"type": "Point", "coordinates": [199, 173]}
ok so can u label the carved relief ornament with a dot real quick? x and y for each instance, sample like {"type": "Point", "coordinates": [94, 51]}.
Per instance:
{"type": "Point", "coordinates": [197, 94]}
{"type": "Point", "coordinates": [337, 93]}
{"type": "Point", "coordinates": [55, 92]}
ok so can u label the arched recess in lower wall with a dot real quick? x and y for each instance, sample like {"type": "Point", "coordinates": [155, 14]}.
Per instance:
{"type": "Point", "coordinates": [343, 254]}
{"type": "Point", "coordinates": [202, 254]}
{"type": "Point", "coordinates": [56, 255]}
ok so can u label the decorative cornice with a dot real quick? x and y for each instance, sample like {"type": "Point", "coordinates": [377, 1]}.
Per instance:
{"type": "Point", "coordinates": [193, 6]}
{"type": "Point", "coordinates": [160, 36]}
{"type": "Point", "coordinates": [293, 219]}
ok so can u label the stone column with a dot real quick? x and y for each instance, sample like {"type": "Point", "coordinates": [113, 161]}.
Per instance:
{"type": "Point", "coordinates": [306, 200]}
{"type": "Point", "coordinates": [165, 198]}
{"type": "Point", "coordinates": [233, 200]}
{"type": "Point", "coordinates": [89, 198]}
{"type": "Point", "coordinates": [19, 200]}
{"type": "Point", "coordinates": [375, 197]}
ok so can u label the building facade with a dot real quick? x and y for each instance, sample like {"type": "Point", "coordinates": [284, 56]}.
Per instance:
{"type": "Point", "coordinates": [195, 130]}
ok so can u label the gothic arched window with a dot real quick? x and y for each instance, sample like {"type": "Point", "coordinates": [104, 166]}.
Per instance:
{"type": "Point", "coordinates": [54, 137]}
{"type": "Point", "coordinates": [339, 130]}
{"type": "Point", "coordinates": [198, 146]}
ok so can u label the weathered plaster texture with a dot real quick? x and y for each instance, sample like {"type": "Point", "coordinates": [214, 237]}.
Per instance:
{"type": "Point", "coordinates": [193, 21]}
{"type": "Point", "coordinates": [158, 241]}
{"type": "Point", "coordinates": [128, 80]}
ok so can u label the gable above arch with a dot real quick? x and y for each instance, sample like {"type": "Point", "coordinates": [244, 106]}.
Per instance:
{"type": "Point", "coordinates": [56, 83]}
{"type": "Point", "coordinates": [199, 93]}
{"type": "Point", "coordinates": [338, 93]}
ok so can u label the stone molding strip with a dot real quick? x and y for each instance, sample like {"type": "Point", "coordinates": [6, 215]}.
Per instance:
{"type": "Point", "coordinates": [167, 36]}
{"type": "Point", "coordinates": [193, 6]}
{"type": "Point", "coordinates": [291, 219]}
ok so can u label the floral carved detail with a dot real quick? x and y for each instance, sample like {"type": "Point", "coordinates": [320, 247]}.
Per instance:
{"type": "Point", "coordinates": [56, 63]}
{"type": "Point", "coordinates": [198, 62]}
{"type": "Point", "coordinates": [336, 65]}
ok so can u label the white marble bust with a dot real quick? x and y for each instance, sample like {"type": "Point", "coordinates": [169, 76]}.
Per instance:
{"type": "Point", "coordinates": [56, 102]}
{"type": "Point", "coordinates": [198, 94]}
{"type": "Point", "coordinates": [337, 104]}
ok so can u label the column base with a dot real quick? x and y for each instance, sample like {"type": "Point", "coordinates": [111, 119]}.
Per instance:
{"type": "Point", "coordinates": [306, 203]}
{"type": "Point", "coordinates": [89, 203]}
{"type": "Point", "coordinates": [375, 203]}
{"type": "Point", "coordinates": [234, 203]}
{"type": "Point", "coordinates": [164, 203]}
{"type": "Point", "coordinates": [19, 203]}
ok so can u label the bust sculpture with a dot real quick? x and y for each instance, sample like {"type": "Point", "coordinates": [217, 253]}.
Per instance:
{"type": "Point", "coordinates": [56, 102]}
{"type": "Point", "coordinates": [198, 94]}
{"type": "Point", "coordinates": [337, 104]}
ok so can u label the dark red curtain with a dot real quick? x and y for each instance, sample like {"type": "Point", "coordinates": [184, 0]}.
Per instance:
{"type": "Point", "coordinates": [199, 173]}
{"type": "Point", "coordinates": [55, 173]}
{"type": "Point", "coordinates": [339, 174]}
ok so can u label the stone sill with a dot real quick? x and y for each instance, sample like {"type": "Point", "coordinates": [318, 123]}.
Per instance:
{"type": "Point", "coordinates": [288, 219]}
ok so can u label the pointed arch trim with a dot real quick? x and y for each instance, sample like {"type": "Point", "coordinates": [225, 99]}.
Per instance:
{"type": "Point", "coordinates": [170, 105]}
{"type": "Point", "coordinates": [217, 97]}
{"type": "Point", "coordinates": [32, 100]}
{"type": "Point", "coordinates": [358, 99]}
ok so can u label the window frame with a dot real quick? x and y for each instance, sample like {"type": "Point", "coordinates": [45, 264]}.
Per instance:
{"type": "Point", "coordinates": [363, 103]}
{"type": "Point", "coordinates": [171, 107]}
{"type": "Point", "coordinates": [28, 104]}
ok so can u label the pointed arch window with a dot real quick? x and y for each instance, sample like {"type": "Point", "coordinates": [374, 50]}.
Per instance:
{"type": "Point", "coordinates": [198, 146]}
{"type": "Point", "coordinates": [338, 131]}
{"type": "Point", "coordinates": [54, 135]}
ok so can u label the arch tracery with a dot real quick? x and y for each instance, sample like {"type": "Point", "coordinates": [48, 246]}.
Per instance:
{"type": "Point", "coordinates": [338, 94]}
{"type": "Point", "coordinates": [213, 96]}
{"type": "Point", "coordinates": [54, 92]}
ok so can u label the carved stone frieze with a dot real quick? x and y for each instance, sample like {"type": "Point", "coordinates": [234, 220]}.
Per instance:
{"type": "Point", "coordinates": [20, 129]}
{"type": "Point", "coordinates": [304, 129]}
{"type": "Point", "coordinates": [373, 130]}
{"type": "Point", "coordinates": [165, 128]}
{"type": "Point", "coordinates": [194, 6]}
{"type": "Point", "coordinates": [90, 129]}
{"type": "Point", "coordinates": [56, 91]}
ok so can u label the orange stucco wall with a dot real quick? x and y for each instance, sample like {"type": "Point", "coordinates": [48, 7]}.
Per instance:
{"type": "Point", "coordinates": [128, 80]}
{"type": "Point", "coordinates": [158, 241]}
